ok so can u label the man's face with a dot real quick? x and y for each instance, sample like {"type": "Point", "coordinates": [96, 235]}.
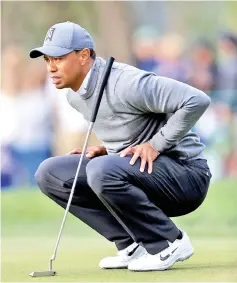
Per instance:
{"type": "Point", "coordinates": [68, 71]}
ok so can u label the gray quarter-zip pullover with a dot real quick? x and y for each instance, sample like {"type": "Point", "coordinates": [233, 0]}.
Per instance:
{"type": "Point", "coordinates": [139, 106]}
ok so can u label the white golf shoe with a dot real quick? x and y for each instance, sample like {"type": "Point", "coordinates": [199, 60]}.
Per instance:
{"type": "Point", "coordinates": [179, 250]}
{"type": "Point", "coordinates": [123, 258]}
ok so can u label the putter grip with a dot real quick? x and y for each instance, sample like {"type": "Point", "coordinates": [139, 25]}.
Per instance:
{"type": "Point", "coordinates": [104, 80]}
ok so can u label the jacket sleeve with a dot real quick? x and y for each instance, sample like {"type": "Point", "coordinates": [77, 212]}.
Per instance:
{"type": "Point", "coordinates": [151, 93]}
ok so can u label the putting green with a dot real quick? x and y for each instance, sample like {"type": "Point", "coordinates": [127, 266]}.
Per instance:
{"type": "Point", "coordinates": [78, 259]}
{"type": "Point", "coordinates": [30, 224]}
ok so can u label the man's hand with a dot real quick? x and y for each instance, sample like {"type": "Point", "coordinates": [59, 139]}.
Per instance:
{"type": "Point", "coordinates": [145, 151]}
{"type": "Point", "coordinates": [91, 151]}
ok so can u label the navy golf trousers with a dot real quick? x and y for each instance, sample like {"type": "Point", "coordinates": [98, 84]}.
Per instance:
{"type": "Point", "coordinates": [123, 204]}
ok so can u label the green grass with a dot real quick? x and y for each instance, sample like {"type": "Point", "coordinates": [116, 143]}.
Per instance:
{"type": "Point", "coordinates": [30, 224]}
{"type": "Point", "coordinates": [78, 259]}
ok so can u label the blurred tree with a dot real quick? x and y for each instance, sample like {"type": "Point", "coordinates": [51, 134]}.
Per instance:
{"type": "Point", "coordinates": [231, 15]}
{"type": "Point", "coordinates": [111, 22]}
{"type": "Point", "coordinates": [26, 22]}
{"type": "Point", "coordinates": [193, 18]}
{"type": "Point", "coordinates": [114, 29]}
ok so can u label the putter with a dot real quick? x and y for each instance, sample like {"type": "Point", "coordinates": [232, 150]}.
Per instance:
{"type": "Point", "coordinates": [104, 80]}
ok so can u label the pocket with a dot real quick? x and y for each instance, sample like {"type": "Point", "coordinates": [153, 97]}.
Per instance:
{"type": "Point", "coordinates": [201, 177]}
{"type": "Point", "coordinates": [199, 165]}
{"type": "Point", "coordinates": [203, 169]}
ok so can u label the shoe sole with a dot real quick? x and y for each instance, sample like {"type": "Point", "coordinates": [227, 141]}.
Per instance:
{"type": "Point", "coordinates": [186, 255]}
{"type": "Point", "coordinates": [122, 267]}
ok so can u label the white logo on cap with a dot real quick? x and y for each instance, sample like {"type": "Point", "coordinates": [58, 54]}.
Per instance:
{"type": "Point", "coordinates": [49, 34]}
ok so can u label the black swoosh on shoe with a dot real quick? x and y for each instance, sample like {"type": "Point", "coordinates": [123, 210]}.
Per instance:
{"type": "Point", "coordinates": [133, 251]}
{"type": "Point", "coordinates": [163, 258]}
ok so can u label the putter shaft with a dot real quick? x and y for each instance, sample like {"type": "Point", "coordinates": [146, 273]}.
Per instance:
{"type": "Point", "coordinates": [71, 195]}
{"type": "Point", "coordinates": [50, 272]}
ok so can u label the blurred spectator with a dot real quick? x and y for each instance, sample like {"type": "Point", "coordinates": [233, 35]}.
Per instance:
{"type": "Point", "coordinates": [144, 48]}
{"type": "Point", "coordinates": [227, 69]}
{"type": "Point", "coordinates": [202, 72]}
{"type": "Point", "coordinates": [171, 63]}
{"type": "Point", "coordinates": [12, 62]}
{"type": "Point", "coordinates": [227, 62]}
{"type": "Point", "coordinates": [26, 115]}
{"type": "Point", "coordinates": [215, 129]}
{"type": "Point", "coordinates": [231, 158]}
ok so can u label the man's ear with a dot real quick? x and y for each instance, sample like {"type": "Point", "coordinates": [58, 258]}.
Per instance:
{"type": "Point", "coordinates": [84, 56]}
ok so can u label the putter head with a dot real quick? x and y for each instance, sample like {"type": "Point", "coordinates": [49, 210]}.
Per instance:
{"type": "Point", "coordinates": [42, 273]}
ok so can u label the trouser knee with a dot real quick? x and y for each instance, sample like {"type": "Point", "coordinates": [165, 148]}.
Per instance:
{"type": "Point", "coordinates": [103, 173]}
{"type": "Point", "coordinates": [44, 177]}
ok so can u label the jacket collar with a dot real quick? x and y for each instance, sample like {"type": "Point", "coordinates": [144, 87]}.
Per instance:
{"type": "Point", "coordinates": [93, 80]}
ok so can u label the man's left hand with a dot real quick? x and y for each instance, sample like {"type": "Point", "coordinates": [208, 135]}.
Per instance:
{"type": "Point", "coordinates": [145, 151]}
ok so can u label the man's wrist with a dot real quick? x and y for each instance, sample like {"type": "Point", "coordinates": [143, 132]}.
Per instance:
{"type": "Point", "coordinates": [103, 150]}
{"type": "Point", "coordinates": [153, 146]}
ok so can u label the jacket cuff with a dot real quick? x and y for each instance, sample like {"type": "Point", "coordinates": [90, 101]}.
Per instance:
{"type": "Point", "coordinates": [160, 143]}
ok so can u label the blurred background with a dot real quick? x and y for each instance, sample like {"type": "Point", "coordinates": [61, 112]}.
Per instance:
{"type": "Point", "coordinates": [199, 49]}
{"type": "Point", "coordinates": [193, 42]}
